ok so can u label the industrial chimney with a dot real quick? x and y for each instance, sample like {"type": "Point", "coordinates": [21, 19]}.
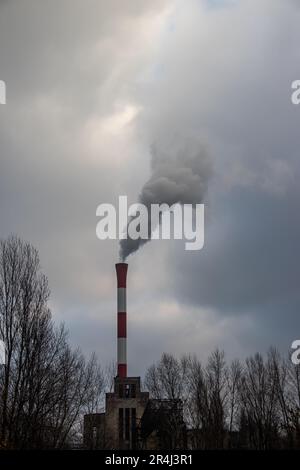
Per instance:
{"type": "Point", "coordinates": [121, 269]}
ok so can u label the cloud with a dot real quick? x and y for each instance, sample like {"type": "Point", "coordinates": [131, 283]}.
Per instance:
{"type": "Point", "coordinates": [91, 86]}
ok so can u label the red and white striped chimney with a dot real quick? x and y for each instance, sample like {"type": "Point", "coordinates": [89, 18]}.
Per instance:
{"type": "Point", "coordinates": [121, 269]}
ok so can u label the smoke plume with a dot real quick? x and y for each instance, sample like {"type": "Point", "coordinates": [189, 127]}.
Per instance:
{"type": "Point", "coordinates": [179, 175]}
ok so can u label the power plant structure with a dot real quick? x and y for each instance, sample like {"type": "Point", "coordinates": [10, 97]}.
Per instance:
{"type": "Point", "coordinates": [132, 420]}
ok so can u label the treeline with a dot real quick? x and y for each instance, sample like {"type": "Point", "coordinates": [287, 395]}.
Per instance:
{"type": "Point", "coordinates": [45, 385]}
{"type": "Point", "coordinates": [253, 404]}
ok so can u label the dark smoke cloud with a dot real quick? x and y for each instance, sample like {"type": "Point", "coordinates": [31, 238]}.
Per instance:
{"type": "Point", "coordinates": [180, 174]}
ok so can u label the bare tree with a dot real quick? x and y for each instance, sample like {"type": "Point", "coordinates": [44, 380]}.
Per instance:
{"type": "Point", "coordinates": [233, 381]}
{"type": "Point", "coordinates": [216, 378]}
{"type": "Point", "coordinates": [255, 404]}
{"type": "Point", "coordinates": [196, 409]}
{"type": "Point", "coordinates": [110, 373]}
{"type": "Point", "coordinates": [288, 383]}
{"type": "Point", "coordinates": [45, 386]}
{"type": "Point", "coordinates": [259, 402]}
{"type": "Point", "coordinates": [165, 379]}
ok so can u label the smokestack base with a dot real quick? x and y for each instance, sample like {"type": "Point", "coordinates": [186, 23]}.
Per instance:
{"type": "Point", "coordinates": [122, 370]}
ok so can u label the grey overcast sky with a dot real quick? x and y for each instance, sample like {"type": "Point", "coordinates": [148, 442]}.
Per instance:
{"type": "Point", "coordinates": [92, 86]}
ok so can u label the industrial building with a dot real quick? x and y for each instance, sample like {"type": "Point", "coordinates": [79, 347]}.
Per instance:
{"type": "Point", "coordinates": [132, 420]}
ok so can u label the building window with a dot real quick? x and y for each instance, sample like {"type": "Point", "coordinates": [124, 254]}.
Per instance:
{"type": "Point", "coordinates": [127, 390]}
{"type": "Point", "coordinates": [127, 424]}
{"type": "Point", "coordinates": [121, 424]}
{"type": "Point", "coordinates": [94, 437]}
{"type": "Point", "coordinates": [133, 427]}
